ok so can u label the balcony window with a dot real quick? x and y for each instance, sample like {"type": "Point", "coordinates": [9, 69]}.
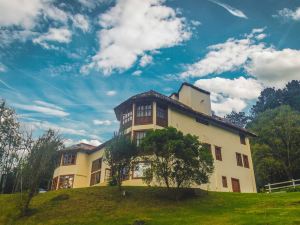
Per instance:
{"type": "Point", "coordinates": [66, 181]}
{"type": "Point", "coordinates": [96, 172]}
{"type": "Point", "coordinates": [138, 136]}
{"type": "Point", "coordinates": [69, 159]}
{"type": "Point", "coordinates": [143, 114]}
{"type": "Point", "coordinates": [162, 116]}
{"type": "Point", "coordinates": [126, 118]}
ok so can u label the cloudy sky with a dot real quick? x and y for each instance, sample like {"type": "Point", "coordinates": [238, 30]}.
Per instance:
{"type": "Point", "coordinates": [66, 64]}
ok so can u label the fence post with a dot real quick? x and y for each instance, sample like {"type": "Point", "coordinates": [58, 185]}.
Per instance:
{"type": "Point", "coordinates": [293, 181]}
{"type": "Point", "coordinates": [270, 189]}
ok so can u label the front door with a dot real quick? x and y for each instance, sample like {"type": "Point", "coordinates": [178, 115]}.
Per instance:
{"type": "Point", "coordinates": [235, 185]}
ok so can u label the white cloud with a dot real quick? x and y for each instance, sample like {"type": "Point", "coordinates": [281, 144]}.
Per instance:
{"type": "Point", "coordinates": [111, 93]}
{"type": "Point", "coordinates": [230, 94]}
{"type": "Point", "coordinates": [196, 23]}
{"type": "Point", "coordinates": [91, 4]}
{"type": "Point", "coordinates": [137, 73]}
{"type": "Point", "coordinates": [7, 36]}
{"type": "Point", "coordinates": [145, 60]}
{"type": "Point", "coordinates": [230, 9]}
{"type": "Point", "coordinates": [81, 22]}
{"type": "Point", "coordinates": [133, 27]}
{"type": "Point", "coordinates": [289, 14]}
{"type": "Point", "coordinates": [56, 14]}
{"type": "Point", "coordinates": [70, 142]}
{"type": "Point", "coordinates": [60, 35]}
{"type": "Point", "coordinates": [103, 122]}
{"type": "Point", "coordinates": [44, 108]}
{"type": "Point", "coordinates": [20, 13]}
{"type": "Point", "coordinates": [271, 66]}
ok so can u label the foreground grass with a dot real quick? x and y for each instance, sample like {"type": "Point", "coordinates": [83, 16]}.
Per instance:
{"type": "Point", "coordinates": [105, 205]}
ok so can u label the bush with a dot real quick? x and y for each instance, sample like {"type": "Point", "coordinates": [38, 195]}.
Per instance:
{"type": "Point", "coordinates": [296, 189]}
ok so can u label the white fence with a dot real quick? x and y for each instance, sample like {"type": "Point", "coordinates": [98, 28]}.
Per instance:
{"type": "Point", "coordinates": [282, 185]}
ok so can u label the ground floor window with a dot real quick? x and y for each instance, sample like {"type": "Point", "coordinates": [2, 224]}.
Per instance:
{"type": "Point", "coordinates": [107, 174]}
{"type": "Point", "coordinates": [224, 181]}
{"type": "Point", "coordinates": [66, 181]}
{"type": "Point", "coordinates": [54, 183]}
{"type": "Point", "coordinates": [95, 178]}
{"type": "Point", "coordinates": [235, 185]}
{"type": "Point", "coordinates": [139, 169]}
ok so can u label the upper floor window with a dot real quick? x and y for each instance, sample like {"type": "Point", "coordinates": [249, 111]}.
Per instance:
{"type": "Point", "coordinates": [126, 118]}
{"type": "Point", "coordinates": [246, 161]}
{"type": "Point", "coordinates": [243, 139]}
{"type": "Point", "coordinates": [138, 136]}
{"type": "Point", "coordinates": [69, 159]}
{"type": "Point", "coordinates": [162, 116]}
{"type": "Point", "coordinates": [218, 153]}
{"type": "Point", "coordinates": [239, 160]}
{"type": "Point", "coordinates": [143, 113]}
{"type": "Point", "coordinates": [96, 171]}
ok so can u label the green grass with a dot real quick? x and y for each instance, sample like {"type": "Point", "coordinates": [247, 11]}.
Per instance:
{"type": "Point", "coordinates": [105, 205]}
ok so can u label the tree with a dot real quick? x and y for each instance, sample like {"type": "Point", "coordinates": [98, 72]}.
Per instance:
{"type": "Point", "coordinates": [119, 155]}
{"type": "Point", "coordinates": [40, 160]}
{"type": "Point", "coordinates": [10, 144]}
{"type": "Point", "coordinates": [239, 119]}
{"type": "Point", "coordinates": [291, 94]}
{"type": "Point", "coordinates": [176, 159]}
{"type": "Point", "coordinates": [276, 150]}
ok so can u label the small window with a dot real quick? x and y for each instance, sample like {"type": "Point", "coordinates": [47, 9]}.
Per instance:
{"type": "Point", "coordinates": [138, 136]}
{"type": "Point", "coordinates": [66, 181]}
{"type": "Point", "coordinates": [139, 169]}
{"type": "Point", "coordinates": [242, 139]}
{"type": "Point", "coordinates": [218, 153]}
{"type": "Point", "coordinates": [246, 161]}
{"type": "Point", "coordinates": [126, 118]}
{"type": "Point", "coordinates": [239, 159]}
{"type": "Point", "coordinates": [224, 181]}
{"type": "Point", "coordinates": [68, 159]}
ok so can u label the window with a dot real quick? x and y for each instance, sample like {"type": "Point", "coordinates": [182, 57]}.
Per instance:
{"type": "Point", "coordinates": [143, 114]}
{"type": "Point", "coordinates": [243, 139]}
{"type": "Point", "coordinates": [162, 116]}
{"type": "Point", "coordinates": [139, 169]}
{"type": "Point", "coordinates": [208, 146]}
{"type": "Point", "coordinates": [107, 174]}
{"type": "Point", "coordinates": [239, 159]}
{"type": "Point", "coordinates": [96, 172]}
{"type": "Point", "coordinates": [224, 181]}
{"type": "Point", "coordinates": [68, 159]}
{"type": "Point", "coordinates": [126, 118]}
{"type": "Point", "coordinates": [96, 165]}
{"type": "Point", "coordinates": [246, 161]}
{"type": "Point", "coordinates": [54, 183]}
{"type": "Point", "coordinates": [138, 136]}
{"type": "Point", "coordinates": [218, 153]}
{"type": "Point", "coordinates": [66, 181]}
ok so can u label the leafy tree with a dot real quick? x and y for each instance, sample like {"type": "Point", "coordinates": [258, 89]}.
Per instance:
{"type": "Point", "coordinates": [240, 119]}
{"type": "Point", "coordinates": [176, 159]}
{"type": "Point", "coordinates": [40, 160]}
{"type": "Point", "coordinates": [119, 155]}
{"type": "Point", "coordinates": [276, 150]}
{"type": "Point", "coordinates": [10, 143]}
{"type": "Point", "coordinates": [291, 94]}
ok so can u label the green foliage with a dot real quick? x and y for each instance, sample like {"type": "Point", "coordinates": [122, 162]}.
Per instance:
{"type": "Point", "coordinates": [176, 159]}
{"type": "Point", "coordinates": [276, 150]}
{"type": "Point", "coordinates": [39, 163]}
{"type": "Point", "coordinates": [271, 98]}
{"type": "Point", "coordinates": [295, 189]}
{"type": "Point", "coordinates": [105, 206]}
{"type": "Point", "coordinates": [240, 119]}
{"type": "Point", "coordinates": [119, 155]}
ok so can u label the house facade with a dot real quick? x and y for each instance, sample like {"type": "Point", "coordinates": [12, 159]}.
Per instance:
{"type": "Point", "coordinates": [188, 110]}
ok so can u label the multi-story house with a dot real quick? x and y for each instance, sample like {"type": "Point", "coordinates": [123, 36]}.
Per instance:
{"type": "Point", "coordinates": [188, 110]}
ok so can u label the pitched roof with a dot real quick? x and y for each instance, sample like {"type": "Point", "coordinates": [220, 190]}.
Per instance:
{"type": "Point", "coordinates": [153, 95]}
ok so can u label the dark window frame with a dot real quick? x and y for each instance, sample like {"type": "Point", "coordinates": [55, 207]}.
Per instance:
{"type": "Point", "coordinates": [224, 182]}
{"type": "Point", "coordinates": [218, 153]}
{"type": "Point", "coordinates": [135, 135]}
{"type": "Point", "coordinates": [71, 160]}
{"type": "Point", "coordinates": [246, 161]}
{"type": "Point", "coordinates": [239, 160]}
{"type": "Point", "coordinates": [143, 113]}
{"type": "Point", "coordinates": [127, 118]}
{"type": "Point", "coordinates": [96, 171]}
{"type": "Point", "coordinates": [161, 115]}
{"type": "Point", "coordinates": [60, 182]}
{"type": "Point", "coordinates": [243, 139]}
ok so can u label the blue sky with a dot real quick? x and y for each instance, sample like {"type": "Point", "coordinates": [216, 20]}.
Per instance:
{"type": "Point", "coordinates": [66, 64]}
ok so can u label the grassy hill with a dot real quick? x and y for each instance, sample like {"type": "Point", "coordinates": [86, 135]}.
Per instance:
{"type": "Point", "coordinates": [105, 205]}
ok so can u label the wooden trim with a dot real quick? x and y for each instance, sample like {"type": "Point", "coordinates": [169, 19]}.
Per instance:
{"type": "Point", "coordinates": [218, 153]}
{"type": "Point", "coordinates": [160, 121]}
{"type": "Point", "coordinates": [71, 164]}
{"type": "Point", "coordinates": [236, 188]}
{"type": "Point", "coordinates": [145, 119]}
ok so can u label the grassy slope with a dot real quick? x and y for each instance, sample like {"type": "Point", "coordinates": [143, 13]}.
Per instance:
{"type": "Point", "coordinates": [104, 205]}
